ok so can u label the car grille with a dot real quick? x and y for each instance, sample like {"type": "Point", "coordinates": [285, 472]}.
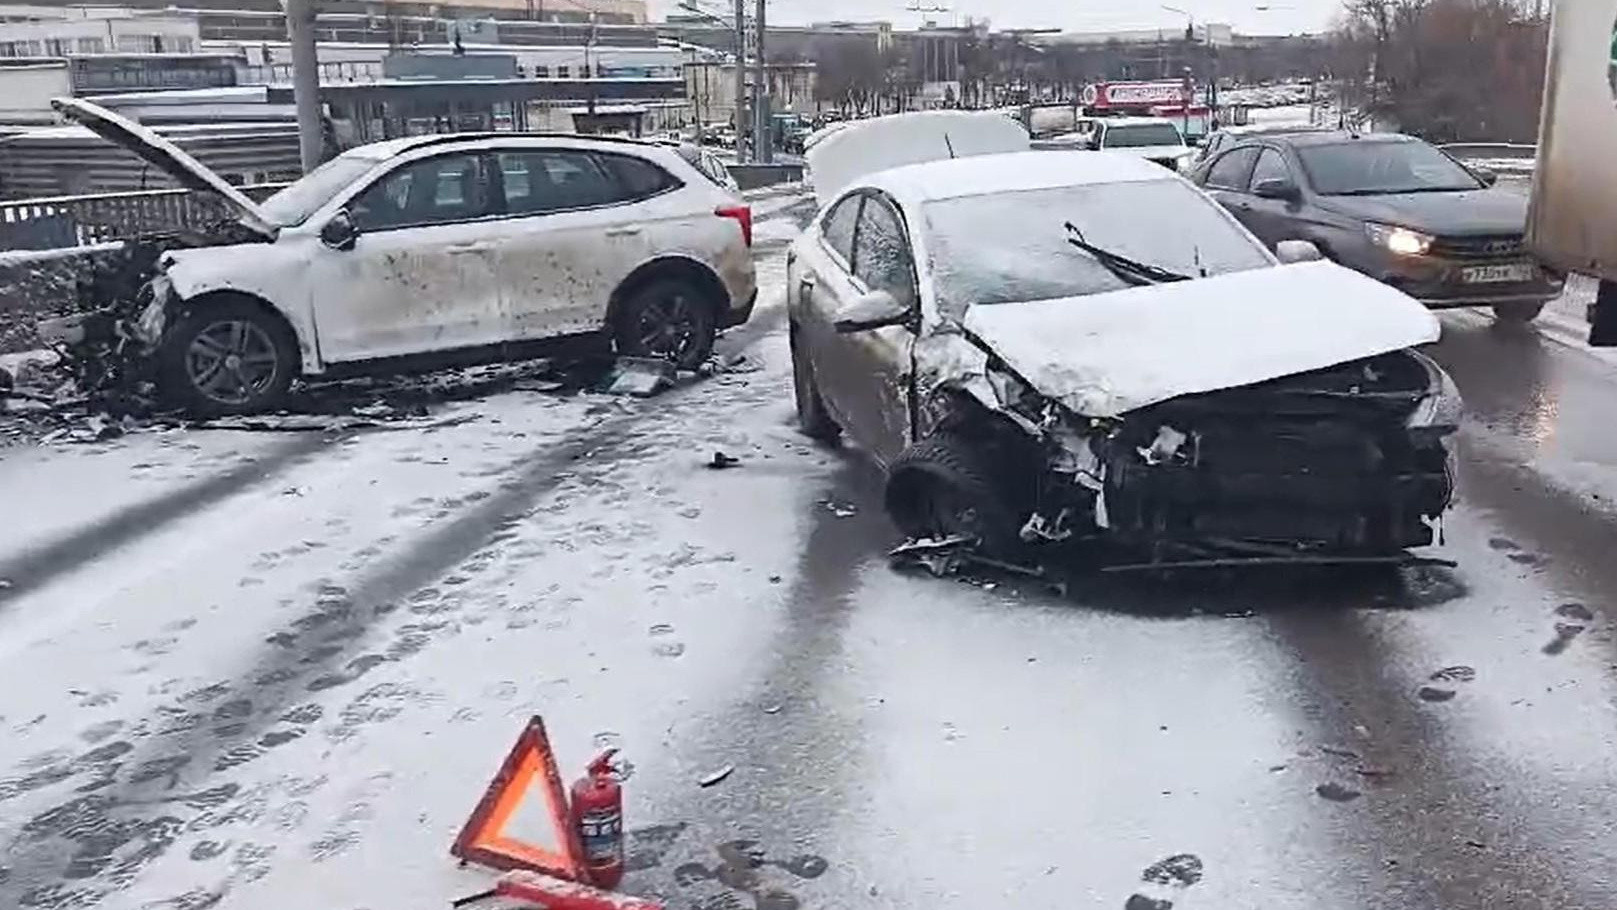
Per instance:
{"type": "Point", "coordinates": [1498, 246]}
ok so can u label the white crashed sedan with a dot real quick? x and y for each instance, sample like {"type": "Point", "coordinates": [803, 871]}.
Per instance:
{"type": "Point", "coordinates": [1041, 346]}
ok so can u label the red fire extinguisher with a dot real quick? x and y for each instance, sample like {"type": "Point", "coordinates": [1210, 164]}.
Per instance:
{"type": "Point", "coordinates": [598, 816]}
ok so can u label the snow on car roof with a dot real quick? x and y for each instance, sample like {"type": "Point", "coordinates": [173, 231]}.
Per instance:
{"type": "Point", "coordinates": [1012, 172]}
{"type": "Point", "coordinates": [389, 148]}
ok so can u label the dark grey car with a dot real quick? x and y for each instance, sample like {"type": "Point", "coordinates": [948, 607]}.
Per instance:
{"type": "Point", "coordinates": [1392, 207]}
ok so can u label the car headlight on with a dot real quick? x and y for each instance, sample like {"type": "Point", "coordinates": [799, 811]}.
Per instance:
{"type": "Point", "coordinates": [1440, 412]}
{"type": "Point", "coordinates": [1400, 240]}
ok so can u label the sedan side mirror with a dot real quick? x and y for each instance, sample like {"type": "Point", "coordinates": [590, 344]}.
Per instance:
{"type": "Point", "coordinates": [1488, 177]}
{"type": "Point", "coordinates": [872, 311]}
{"type": "Point", "coordinates": [1277, 188]}
{"type": "Point", "coordinates": [340, 233]}
{"type": "Point", "coordinates": [1291, 252]}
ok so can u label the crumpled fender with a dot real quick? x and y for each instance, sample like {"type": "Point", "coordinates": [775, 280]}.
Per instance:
{"type": "Point", "coordinates": [268, 272]}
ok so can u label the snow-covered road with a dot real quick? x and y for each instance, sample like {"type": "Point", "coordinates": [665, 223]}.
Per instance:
{"type": "Point", "coordinates": [266, 671]}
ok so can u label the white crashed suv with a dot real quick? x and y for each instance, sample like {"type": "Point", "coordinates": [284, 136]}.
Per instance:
{"type": "Point", "coordinates": [445, 248]}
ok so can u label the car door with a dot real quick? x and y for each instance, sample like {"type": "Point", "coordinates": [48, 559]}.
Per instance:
{"type": "Point", "coordinates": [823, 286]}
{"type": "Point", "coordinates": [580, 222]}
{"type": "Point", "coordinates": [867, 378]}
{"type": "Point", "coordinates": [1272, 220]}
{"type": "Point", "coordinates": [1228, 177]}
{"type": "Point", "coordinates": [420, 276]}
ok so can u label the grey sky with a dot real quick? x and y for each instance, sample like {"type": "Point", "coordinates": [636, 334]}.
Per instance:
{"type": "Point", "coordinates": [1280, 16]}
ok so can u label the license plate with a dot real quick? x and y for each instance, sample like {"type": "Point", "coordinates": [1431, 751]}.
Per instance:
{"type": "Point", "coordinates": [1498, 274]}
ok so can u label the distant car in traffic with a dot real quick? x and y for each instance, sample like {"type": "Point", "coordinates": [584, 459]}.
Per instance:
{"type": "Point", "coordinates": [1047, 346]}
{"type": "Point", "coordinates": [447, 247]}
{"type": "Point", "coordinates": [1156, 139]}
{"type": "Point", "coordinates": [1392, 207]}
{"type": "Point", "coordinates": [1226, 137]}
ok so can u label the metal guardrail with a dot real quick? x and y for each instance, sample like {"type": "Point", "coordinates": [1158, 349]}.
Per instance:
{"type": "Point", "coordinates": [59, 222]}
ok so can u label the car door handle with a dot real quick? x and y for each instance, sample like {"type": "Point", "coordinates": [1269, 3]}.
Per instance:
{"type": "Point", "coordinates": [463, 248]}
{"type": "Point", "coordinates": [630, 231]}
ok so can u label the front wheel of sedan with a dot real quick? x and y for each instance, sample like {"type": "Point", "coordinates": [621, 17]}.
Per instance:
{"type": "Point", "coordinates": [942, 487]}
{"type": "Point", "coordinates": [228, 357]}
{"type": "Point", "coordinates": [1517, 313]}
{"type": "Point", "coordinates": [668, 320]}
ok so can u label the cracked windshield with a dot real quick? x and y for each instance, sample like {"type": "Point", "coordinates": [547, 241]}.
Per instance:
{"type": "Point", "coordinates": [807, 455]}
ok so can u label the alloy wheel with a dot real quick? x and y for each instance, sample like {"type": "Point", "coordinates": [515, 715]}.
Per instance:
{"type": "Point", "coordinates": [232, 362]}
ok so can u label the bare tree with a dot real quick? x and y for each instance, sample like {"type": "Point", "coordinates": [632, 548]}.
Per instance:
{"type": "Point", "coordinates": [1445, 69]}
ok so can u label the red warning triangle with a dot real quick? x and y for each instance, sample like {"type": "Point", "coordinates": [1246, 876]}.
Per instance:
{"type": "Point", "coordinates": [483, 840]}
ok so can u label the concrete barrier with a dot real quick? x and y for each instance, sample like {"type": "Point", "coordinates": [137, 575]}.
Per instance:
{"type": "Point", "coordinates": [47, 283]}
{"type": "Point", "coordinates": [755, 176]}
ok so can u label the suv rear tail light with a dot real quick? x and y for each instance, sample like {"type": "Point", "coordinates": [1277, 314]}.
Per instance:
{"type": "Point", "coordinates": [742, 215]}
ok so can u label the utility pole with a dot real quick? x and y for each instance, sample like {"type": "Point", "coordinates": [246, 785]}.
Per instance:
{"type": "Point", "coordinates": [741, 81]}
{"type": "Point", "coordinates": [305, 81]}
{"type": "Point", "coordinates": [763, 143]}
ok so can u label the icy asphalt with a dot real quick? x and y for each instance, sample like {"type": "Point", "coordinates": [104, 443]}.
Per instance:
{"type": "Point", "coordinates": [254, 670]}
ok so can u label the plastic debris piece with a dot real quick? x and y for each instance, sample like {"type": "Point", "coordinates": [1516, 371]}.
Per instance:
{"type": "Point", "coordinates": [716, 777]}
{"type": "Point", "coordinates": [641, 377]}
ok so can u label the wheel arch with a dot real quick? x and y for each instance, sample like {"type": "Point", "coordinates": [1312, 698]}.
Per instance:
{"type": "Point", "coordinates": [683, 268]}
{"type": "Point", "coordinates": [308, 355]}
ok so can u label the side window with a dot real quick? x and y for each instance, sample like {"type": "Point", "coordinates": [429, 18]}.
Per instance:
{"type": "Point", "coordinates": [540, 182]}
{"type": "Point", "coordinates": [1271, 166]}
{"type": "Point", "coordinates": [839, 225]}
{"type": "Point", "coordinates": [883, 260]}
{"type": "Point", "coordinates": [431, 191]}
{"type": "Point", "coordinates": [1229, 172]}
{"type": "Point", "coordinates": [637, 178]}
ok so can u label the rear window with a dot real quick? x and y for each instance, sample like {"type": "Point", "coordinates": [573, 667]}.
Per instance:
{"type": "Point", "coordinates": [640, 179]}
{"type": "Point", "coordinates": [1141, 135]}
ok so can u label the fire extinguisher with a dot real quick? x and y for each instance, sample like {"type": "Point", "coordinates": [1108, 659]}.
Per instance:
{"type": "Point", "coordinates": [597, 809]}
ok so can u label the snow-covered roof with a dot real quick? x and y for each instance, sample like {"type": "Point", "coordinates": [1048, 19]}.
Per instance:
{"type": "Point", "coordinates": [389, 148]}
{"type": "Point", "coordinates": [1011, 173]}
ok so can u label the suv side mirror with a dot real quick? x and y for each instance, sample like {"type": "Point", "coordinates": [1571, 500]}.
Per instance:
{"type": "Point", "coordinates": [872, 311]}
{"type": "Point", "coordinates": [1488, 177]}
{"type": "Point", "coordinates": [1277, 188]}
{"type": "Point", "coordinates": [339, 233]}
{"type": "Point", "coordinates": [1290, 252]}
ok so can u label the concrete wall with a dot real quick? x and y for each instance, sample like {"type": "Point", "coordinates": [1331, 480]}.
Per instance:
{"type": "Point", "coordinates": [711, 90]}
{"type": "Point", "coordinates": [139, 35]}
{"type": "Point", "coordinates": [26, 92]}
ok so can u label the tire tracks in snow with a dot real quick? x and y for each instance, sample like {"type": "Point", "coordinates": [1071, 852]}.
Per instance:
{"type": "Point", "coordinates": [37, 567]}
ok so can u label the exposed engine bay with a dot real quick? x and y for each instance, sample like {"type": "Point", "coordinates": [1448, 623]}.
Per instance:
{"type": "Point", "coordinates": [1325, 466]}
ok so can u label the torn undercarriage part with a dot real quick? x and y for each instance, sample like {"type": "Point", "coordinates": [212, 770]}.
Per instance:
{"type": "Point", "coordinates": [952, 555]}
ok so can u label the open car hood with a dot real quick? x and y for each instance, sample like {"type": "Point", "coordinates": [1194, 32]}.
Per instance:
{"type": "Point", "coordinates": [865, 147]}
{"type": "Point", "coordinates": [1108, 354]}
{"type": "Point", "coordinates": [156, 150]}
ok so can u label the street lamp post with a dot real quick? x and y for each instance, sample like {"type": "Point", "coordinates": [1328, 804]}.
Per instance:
{"type": "Point", "coordinates": [1212, 61]}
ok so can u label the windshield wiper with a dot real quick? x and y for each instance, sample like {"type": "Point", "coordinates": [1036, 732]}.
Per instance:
{"type": "Point", "coordinates": [1127, 270]}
